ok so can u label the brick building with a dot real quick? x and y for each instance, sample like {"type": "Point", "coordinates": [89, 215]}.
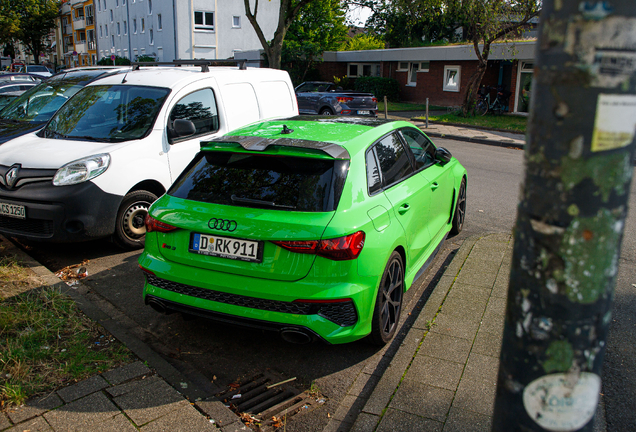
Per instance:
{"type": "Point", "coordinates": [439, 73]}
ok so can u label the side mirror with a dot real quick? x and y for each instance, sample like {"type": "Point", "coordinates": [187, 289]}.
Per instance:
{"type": "Point", "coordinates": [443, 155]}
{"type": "Point", "coordinates": [183, 127]}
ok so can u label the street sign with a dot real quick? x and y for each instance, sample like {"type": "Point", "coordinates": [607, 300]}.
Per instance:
{"type": "Point", "coordinates": [112, 57]}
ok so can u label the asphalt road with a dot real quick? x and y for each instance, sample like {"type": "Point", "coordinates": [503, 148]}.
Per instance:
{"type": "Point", "coordinates": [215, 355]}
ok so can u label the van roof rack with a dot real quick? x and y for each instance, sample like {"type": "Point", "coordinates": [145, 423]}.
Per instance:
{"type": "Point", "coordinates": [242, 64]}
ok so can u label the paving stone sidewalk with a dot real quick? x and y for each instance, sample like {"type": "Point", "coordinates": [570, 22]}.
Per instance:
{"type": "Point", "coordinates": [129, 398]}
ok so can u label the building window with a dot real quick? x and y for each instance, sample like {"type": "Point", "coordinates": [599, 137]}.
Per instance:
{"type": "Point", "coordinates": [452, 77]}
{"type": "Point", "coordinates": [112, 39]}
{"type": "Point", "coordinates": [203, 20]}
{"type": "Point", "coordinates": [143, 25]}
{"type": "Point", "coordinates": [152, 37]}
{"type": "Point", "coordinates": [149, 7]}
{"type": "Point", "coordinates": [116, 3]}
{"type": "Point", "coordinates": [236, 22]}
{"type": "Point", "coordinates": [106, 28]}
{"type": "Point", "coordinates": [101, 33]}
{"type": "Point", "coordinates": [123, 2]}
{"type": "Point", "coordinates": [99, 6]}
{"type": "Point", "coordinates": [111, 15]}
{"type": "Point", "coordinates": [125, 28]}
{"type": "Point", "coordinates": [403, 66]}
{"type": "Point", "coordinates": [118, 29]}
{"type": "Point", "coordinates": [135, 25]}
{"type": "Point", "coordinates": [362, 69]}
{"type": "Point", "coordinates": [424, 66]}
{"type": "Point", "coordinates": [159, 23]}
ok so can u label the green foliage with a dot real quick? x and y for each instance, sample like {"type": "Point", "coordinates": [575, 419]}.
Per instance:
{"type": "Point", "coordinates": [119, 61]}
{"type": "Point", "coordinates": [319, 26]}
{"type": "Point", "coordinates": [29, 22]}
{"type": "Point", "coordinates": [363, 42]}
{"type": "Point", "coordinates": [144, 58]}
{"type": "Point", "coordinates": [343, 82]}
{"type": "Point", "coordinates": [380, 87]}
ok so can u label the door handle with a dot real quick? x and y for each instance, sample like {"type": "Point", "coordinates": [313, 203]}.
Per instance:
{"type": "Point", "coordinates": [434, 185]}
{"type": "Point", "coordinates": [403, 209]}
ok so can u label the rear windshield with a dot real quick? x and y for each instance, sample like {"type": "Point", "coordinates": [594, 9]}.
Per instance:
{"type": "Point", "coordinates": [263, 181]}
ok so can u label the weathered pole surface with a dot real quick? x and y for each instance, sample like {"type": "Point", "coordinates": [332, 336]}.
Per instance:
{"type": "Point", "coordinates": [573, 204]}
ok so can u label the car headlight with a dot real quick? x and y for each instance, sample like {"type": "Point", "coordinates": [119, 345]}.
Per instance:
{"type": "Point", "coordinates": [81, 170]}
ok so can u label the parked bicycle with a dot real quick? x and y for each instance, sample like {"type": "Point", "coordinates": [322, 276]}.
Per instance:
{"type": "Point", "coordinates": [498, 106]}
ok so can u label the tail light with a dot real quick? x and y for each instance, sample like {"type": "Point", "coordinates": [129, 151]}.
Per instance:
{"type": "Point", "coordinates": [374, 100]}
{"type": "Point", "coordinates": [145, 270]}
{"type": "Point", "coordinates": [153, 224]}
{"type": "Point", "coordinates": [337, 249]}
{"type": "Point", "coordinates": [342, 99]}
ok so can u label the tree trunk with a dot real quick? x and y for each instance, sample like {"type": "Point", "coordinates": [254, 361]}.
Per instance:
{"type": "Point", "coordinates": [580, 148]}
{"type": "Point", "coordinates": [472, 88]}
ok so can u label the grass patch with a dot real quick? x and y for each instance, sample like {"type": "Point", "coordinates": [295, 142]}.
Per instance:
{"type": "Point", "coordinates": [503, 122]}
{"type": "Point", "coordinates": [46, 340]}
{"type": "Point", "coordinates": [407, 106]}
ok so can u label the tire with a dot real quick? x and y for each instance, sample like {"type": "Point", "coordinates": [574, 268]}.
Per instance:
{"type": "Point", "coordinates": [130, 231]}
{"type": "Point", "coordinates": [497, 108]}
{"type": "Point", "coordinates": [388, 303]}
{"type": "Point", "coordinates": [481, 107]}
{"type": "Point", "coordinates": [460, 210]}
{"type": "Point", "coordinates": [326, 112]}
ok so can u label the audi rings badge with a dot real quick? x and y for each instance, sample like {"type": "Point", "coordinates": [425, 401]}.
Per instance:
{"type": "Point", "coordinates": [222, 224]}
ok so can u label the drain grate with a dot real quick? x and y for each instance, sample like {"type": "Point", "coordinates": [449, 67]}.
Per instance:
{"type": "Point", "coordinates": [264, 400]}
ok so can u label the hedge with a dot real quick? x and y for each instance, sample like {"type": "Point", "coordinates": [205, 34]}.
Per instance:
{"type": "Point", "coordinates": [380, 87]}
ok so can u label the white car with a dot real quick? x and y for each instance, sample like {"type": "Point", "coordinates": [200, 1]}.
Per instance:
{"type": "Point", "coordinates": [120, 142]}
{"type": "Point", "coordinates": [40, 70]}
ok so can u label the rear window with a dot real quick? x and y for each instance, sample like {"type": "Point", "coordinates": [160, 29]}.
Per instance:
{"type": "Point", "coordinates": [262, 181]}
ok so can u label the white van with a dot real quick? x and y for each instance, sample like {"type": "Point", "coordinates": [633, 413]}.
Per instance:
{"type": "Point", "coordinates": [120, 142]}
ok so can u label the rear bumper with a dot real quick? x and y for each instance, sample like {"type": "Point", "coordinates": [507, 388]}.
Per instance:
{"type": "Point", "coordinates": [336, 310]}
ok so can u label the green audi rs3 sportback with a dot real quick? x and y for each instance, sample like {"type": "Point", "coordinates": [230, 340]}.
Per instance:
{"type": "Point", "coordinates": [310, 226]}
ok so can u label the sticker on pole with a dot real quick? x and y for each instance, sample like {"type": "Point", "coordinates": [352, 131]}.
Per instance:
{"type": "Point", "coordinates": [615, 123]}
{"type": "Point", "coordinates": [561, 402]}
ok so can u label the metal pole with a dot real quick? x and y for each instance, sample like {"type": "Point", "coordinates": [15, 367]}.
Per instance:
{"type": "Point", "coordinates": [570, 220]}
{"type": "Point", "coordinates": [426, 113]}
{"type": "Point", "coordinates": [386, 109]}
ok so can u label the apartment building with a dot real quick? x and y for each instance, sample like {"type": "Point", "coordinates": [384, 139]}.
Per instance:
{"type": "Point", "coordinates": [79, 41]}
{"type": "Point", "coordinates": [187, 29]}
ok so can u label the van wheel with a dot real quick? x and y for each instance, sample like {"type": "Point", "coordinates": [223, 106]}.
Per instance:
{"type": "Point", "coordinates": [130, 230]}
{"type": "Point", "coordinates": [388, 303]}
{"type": "Point", "coordinates": [326, 112]}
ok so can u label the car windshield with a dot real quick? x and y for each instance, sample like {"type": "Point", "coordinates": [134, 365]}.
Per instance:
{"type": "Point", "coordinates": [42, 101]}
{"type": "Point", "coordinates": [262, 181]}
{"type": "Point", "coordinates": [108, 113]}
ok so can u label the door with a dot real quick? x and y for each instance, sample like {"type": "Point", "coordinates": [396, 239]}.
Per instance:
{"type": "Point", "coordinates": [407, 191]}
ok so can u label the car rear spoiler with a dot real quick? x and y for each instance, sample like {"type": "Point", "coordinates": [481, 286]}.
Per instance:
{"type": "Point", "coordinates": [252, 143]}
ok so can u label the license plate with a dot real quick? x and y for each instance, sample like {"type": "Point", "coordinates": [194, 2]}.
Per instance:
{"type": "Point", "coordinates": [364, 112]}
{"type": "Point", "coordinates": [12, 210]}
{"type": "Point", "coordinates": [227, 247]}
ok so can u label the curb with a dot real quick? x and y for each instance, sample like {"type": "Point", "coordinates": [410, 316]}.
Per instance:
{"type": "Point", "coordinates": [475, 140]}
{"type": "Point", "coordinates": [190, 390]}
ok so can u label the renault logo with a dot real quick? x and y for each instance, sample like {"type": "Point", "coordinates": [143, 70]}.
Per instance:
{"type": "Point", "coordinates": [12, 176]}
{"type": "Point", "coordinates": [222, 224]}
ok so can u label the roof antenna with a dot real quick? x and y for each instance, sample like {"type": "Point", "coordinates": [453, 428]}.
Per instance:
{"type": "Point", "coordinates": [124, 80]}
{"type": "Point", "coordinates": [286, 130]}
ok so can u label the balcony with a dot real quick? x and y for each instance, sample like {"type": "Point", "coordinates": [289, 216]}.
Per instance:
{"type": "Point", "coordinates": [66, 8]}
{"type": "Point", "coordinates": [68, 49]}
{"type": "Point", "coordinates": [92, 46]}
{"type": "Point", "coordinates": [76, 2]}
{"type": "Point", "coordinates": [90, 20]}
{"type": "Point", "coordinates": [79, 23]}
{"type": "Point", "coordinates": [67, 29]}
{"type": "Point", "coordinates": [80, 47]}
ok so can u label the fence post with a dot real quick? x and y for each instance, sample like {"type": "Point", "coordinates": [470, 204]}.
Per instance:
{"type": "Point", "coordinates": [426, 113]}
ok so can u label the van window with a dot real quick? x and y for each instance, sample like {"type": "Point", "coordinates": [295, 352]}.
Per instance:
{"type": "Point", "coordinates": [240, 100]}
{"type": "Point", "coordinates": [200, 108]}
